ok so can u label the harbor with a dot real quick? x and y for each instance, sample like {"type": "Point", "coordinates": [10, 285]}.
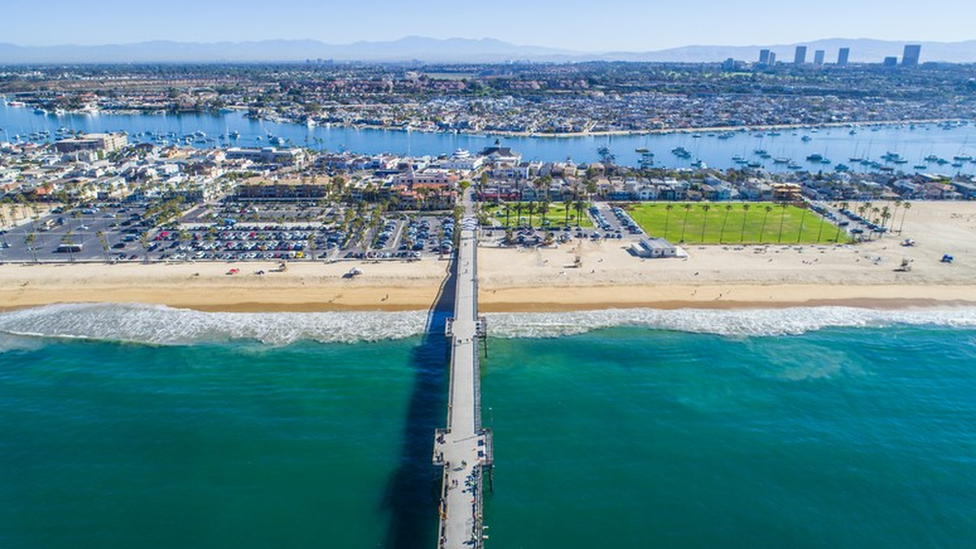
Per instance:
{"type": "Point", "coordinates": [945, 148]}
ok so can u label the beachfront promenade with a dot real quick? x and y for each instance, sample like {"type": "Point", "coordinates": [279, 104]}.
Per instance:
{"type": "Point", "coordinates": [464, 447]}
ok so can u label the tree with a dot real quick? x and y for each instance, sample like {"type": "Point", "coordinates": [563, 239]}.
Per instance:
{"type": "Point", "coordinates": [762, 229]}
{"type": "Point", "coordinates": [885, 216]}
{"type": "Point", "coordinates": [782, 219]}
{"type": "Point", "coordinates": [823, 219]}
{"type": "Point", "coordinates": [705, 209]}
{"type": "Point", "coordinates": [482, 183]}
{"type": "Point", "coordinates": [687, 206]}
{"type": "Point", "coordinates": [184, 237]}
{"type": "Point", "coordinates": [894, 212]}
{"type": "Point", "coordinates": [579, 206]}
{"type": "Point", "coordinates": [68, 241]}
{"type": "Point", "coordinates": [144, 242]}
{"type": "Point", "coordinates": [799, 233]}
{"type": "Point", "coordinates": [29, 240]}
{"type": "Point", "coordinates": [728, 210]}
{"type": "Point", "coordinates": [667, 216]}
{"type": "Point", "coordinates": [531, 209]}
{"type": "Point", "coordinates": [103, 241]}
{"type": "Point", "coordinates": [904, 211]}
{"type": "Point", "coordinates": [745, 214]}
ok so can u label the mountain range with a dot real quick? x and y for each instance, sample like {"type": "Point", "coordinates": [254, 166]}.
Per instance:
{"type": "Point", "coordinates": [453, 50]}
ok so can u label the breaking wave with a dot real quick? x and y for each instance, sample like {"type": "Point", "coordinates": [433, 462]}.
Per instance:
{"type": "Point", "coordinates": [167, 326]}
{"type": "Point", "coordinates": [741, 322]}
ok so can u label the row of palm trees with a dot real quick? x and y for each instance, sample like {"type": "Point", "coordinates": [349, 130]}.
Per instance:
{"type": "Point", "coordinates": [881, 215]}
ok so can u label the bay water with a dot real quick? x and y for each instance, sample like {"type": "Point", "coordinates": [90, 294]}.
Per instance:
{"type": "Point", "coordinates": [914, 142]}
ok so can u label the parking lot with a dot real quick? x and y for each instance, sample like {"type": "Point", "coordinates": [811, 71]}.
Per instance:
{"type": "Point", "coordinates": [116, 232]}
{"type": "Point", "coordinates": [608, 223]}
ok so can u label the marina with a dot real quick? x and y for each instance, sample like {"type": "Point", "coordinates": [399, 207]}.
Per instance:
{"type": "Point", "coordinates": [943, 148]}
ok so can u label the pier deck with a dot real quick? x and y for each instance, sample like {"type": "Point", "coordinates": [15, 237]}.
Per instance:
{"type": "Point", "coordinates": [464, 447]}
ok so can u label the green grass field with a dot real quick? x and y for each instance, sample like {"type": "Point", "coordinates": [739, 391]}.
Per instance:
{"type": "Point", "coordinates": [718, 225]}
{"type": "Point", "coordinates": [556, 215]}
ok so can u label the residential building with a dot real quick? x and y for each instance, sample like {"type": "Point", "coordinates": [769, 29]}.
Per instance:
{"type": "Point", "coordinates": [97, 142]}
{"type": "Point", "coordinates": [911, 55]}
{"type": "Point", "coordinates": [800, 56]}
{"type": "Point", "coordinates": [843, 57]}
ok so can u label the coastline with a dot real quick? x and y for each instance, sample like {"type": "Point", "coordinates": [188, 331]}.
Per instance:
{"type": "Point", "coordinates": [388, 298]}
{"type": "Point", "coordinates": [536, 280]}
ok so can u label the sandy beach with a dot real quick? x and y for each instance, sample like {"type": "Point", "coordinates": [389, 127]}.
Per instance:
{"type": "Point", "coordinates": [545, 280]}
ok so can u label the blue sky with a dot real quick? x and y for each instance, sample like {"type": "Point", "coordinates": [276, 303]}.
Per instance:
{"type": "Point", "coordinates": [594, 25]}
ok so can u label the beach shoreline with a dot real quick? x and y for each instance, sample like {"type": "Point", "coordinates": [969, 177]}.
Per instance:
{"type": "Point", "coordinates": [606, 276]}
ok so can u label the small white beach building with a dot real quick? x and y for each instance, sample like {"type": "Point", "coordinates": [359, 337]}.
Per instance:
{"type": "Point", "coordinates": [654, 248]}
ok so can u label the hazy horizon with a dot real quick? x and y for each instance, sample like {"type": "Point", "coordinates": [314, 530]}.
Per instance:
{"type": "Point", "coordinates": [613, 25]}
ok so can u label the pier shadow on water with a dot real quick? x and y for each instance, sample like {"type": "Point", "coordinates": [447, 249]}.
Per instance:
{"type": "Point", "coordinates": [411, 496]}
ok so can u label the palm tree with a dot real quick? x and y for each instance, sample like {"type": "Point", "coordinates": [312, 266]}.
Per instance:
{"type": "Point", "coordinates": [762, 229]}
{"type": "Point", "coordinates": [567, 204]}
{"type": "Point", "coordinates": [531, 209]}
{"type": "Point", "coordinates": [782, 219]}
{"type": "Point", "coordinates": [705, 209]}
{"type": "Point", "coordinates": [667, 216]}
{"type": "Point", "coordinates": [745, 214]}
{"type": "Point", "coordinates": [184, 237]}
{"type": "Point", "coordinates": [687, 206]}
{"type": "Point", "coordinates": [894, 212]}
{"type": "Point", "coordinates": [543, 209]}
{"type": "Point", "coordinates": [29, 240]}
{"type": "Point", "coordinates": [907, 206]}
{"type": "Point", "coordinates": [144, 242]}
{"type": "Point", "coordinates": [507, 208]}
{"type": "Point", "coordinates": [803, 218]}
{"type": "Point", "coordinates": [69, 244]}
{"type": "Point", "coordinates": [725, 220]}
{"type": "Point", "coordinates": [103, 241]}
{"type": "Point", "coordinates": [823, 219]}
{"type": "Point", "coordinates": [885, 216]}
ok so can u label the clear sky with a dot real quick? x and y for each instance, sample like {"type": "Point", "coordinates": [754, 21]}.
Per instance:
{"type": "Point", "coordinates": [585, 25]}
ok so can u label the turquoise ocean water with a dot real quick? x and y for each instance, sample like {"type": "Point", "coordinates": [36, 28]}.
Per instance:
{"type": "Point", "coordinates": [147, 427]}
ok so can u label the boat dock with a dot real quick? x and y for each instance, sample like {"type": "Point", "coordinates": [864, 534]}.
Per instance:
{"type": "Point", "coordinates": [463, 448]}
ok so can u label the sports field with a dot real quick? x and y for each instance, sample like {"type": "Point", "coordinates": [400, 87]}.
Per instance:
{"type": "Point", "coordinates": [734, 223]}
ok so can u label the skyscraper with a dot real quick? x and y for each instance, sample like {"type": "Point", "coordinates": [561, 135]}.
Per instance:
{"type": "Point", "coordinates": [801, 55]}
{"type": "Point", "coordinates": [910, 56]}
{"type": "Point", "coordinates": [763, 57]}
{"type": "Point", "coordinates": [818, 57]}
{"type": "Point", "coordinates": [772, 58]}
{"type": "Point", "coordinates": [890, 61]}
{"type": "Point", "coordinates": [843, 56]}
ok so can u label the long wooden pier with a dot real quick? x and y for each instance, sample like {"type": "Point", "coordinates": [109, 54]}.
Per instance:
{"type": "Point", "coordinates": [463, 449]}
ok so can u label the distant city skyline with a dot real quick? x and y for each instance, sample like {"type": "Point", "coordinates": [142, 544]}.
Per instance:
{"type": "Point", "coordinates": [612, 25]}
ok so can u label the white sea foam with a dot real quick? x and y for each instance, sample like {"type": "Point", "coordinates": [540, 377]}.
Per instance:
{"type": "Point", "coordinates": [740, 322]}
{"type": "Point", "coordinates": [167, 326]}
{"type": "Point", "coordinates": [164, 325]}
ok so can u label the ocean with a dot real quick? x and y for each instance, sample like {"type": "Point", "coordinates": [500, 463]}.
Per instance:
{"type": "Point", "coordinates": [138, 426]}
